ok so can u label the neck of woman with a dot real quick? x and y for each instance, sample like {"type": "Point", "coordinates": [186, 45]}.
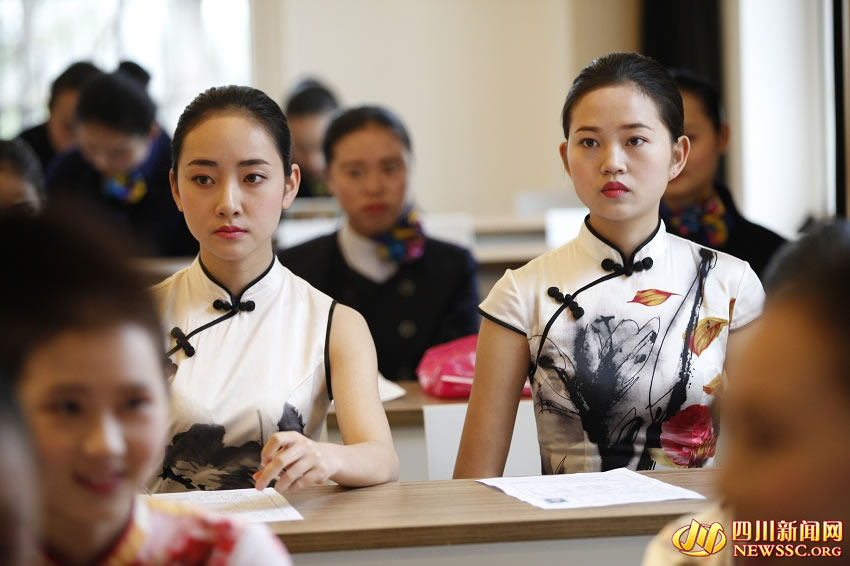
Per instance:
{"type": "Point", "coordinates": [236, 274]}
{"type": "Point", "coordinates": [78, 542]}
{"type": "Point", "coordinates": [698, 196]}
{"type": "Point", "coordinates": [627, 235]}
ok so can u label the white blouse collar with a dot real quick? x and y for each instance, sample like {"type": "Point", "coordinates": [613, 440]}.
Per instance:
{"type": "Point", "coordinates": [597, 246]}
{"type": "Point", "coordinates": [260, 289]}
{"type": "Point", "coordinates": [361, 254]}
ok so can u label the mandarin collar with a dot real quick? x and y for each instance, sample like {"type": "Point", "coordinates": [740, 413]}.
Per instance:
{"type": "Point", "coordinates": [600, 248]}
{"type": "Point", "coordinates": [257, 290]}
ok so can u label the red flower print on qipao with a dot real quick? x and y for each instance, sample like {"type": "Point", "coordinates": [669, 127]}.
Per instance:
{"type": "Point", "coordinates": [688, 438]}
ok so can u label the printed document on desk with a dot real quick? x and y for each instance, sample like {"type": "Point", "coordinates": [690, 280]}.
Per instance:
{"type": "Point", "coordinates": [249, 505]}
{"type": "Point", "coordinates": [596, 489]}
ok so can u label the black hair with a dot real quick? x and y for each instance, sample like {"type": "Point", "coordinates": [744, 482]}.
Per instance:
{"type": "Point", "coordinates": [645, 73]}
{"type": "Point", "coordinates": [74, 77]}
{"type": "Point", "coordinates": [64, 274]}
{"type": "Point", "coordinates": [694, 84]}
{"type": "Point", "coordinates": [18, 156]}
{"type": "Point", "coordinates": [354, 119]}
{"type": "Point", "coordinates": [118, 101]}
{"type": "Point", "coordinates": [310, 97]}
{"type": "Point", "coordinates": [135, 71]}
{"type": "Point", "coordinates": [245, 100]}
{"type": "Point", "coordinates": [814, 272]}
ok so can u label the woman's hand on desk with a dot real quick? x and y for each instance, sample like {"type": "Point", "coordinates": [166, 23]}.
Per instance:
{"type": "Point", "coordinates": [295, 461]}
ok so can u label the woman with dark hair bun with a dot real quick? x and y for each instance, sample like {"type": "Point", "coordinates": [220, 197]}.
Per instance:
{"type": "Point", "coordinates": [414, 291]}
{"type": "Point", "coordinates": [624, 330]}
{"type": "Point", "coordinates": [257, 353]}
{"type": "Point", "coordinates": [122, 162]}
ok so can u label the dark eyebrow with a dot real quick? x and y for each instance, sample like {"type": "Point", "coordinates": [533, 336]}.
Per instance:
{"type": "Point", "coordinates": [635, 125]}
{"type": "Point", "coordinates": [243, 163]}
{"type": "Point", "coordinates": [203, 162]}
{"type": "Point", "coordinates": [632, 126]}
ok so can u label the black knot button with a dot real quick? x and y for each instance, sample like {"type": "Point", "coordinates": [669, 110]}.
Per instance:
{"type": "Point", "coordinates": [555, 294]}
{"type": "Point", "coordinates": [577, 311]}
{"type": "Point", "coordinates": [567, 300]}
{"type": "Point", "coordinates": [609, 264]}
{"type": "Point", "coordinates": [220, 305]}
{"type": "Point", "coordinates": [182, 341]}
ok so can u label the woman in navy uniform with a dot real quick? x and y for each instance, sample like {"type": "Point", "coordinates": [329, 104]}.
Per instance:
{"type": "Point", "coordinates": [414, 291]}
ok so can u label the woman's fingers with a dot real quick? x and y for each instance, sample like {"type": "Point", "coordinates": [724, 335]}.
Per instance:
{"type": "Point", "coordinates": [295, 472]}
{"type": "Point", "coordinates": [293, 460]}
{"type": "Point", "coordinates": [276, 442]}
{"type": "Point", "coordinates": [277, 463]}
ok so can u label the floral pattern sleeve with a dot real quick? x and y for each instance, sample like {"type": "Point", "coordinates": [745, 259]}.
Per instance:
{"type": "Point", "coordinates": [749, 299]}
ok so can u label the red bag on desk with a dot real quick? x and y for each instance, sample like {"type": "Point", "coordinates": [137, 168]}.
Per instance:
{"type": "Point", "coordinates": [446, 370]}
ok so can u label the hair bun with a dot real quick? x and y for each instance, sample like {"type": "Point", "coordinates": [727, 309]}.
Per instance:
{"type": "Point", "coordinates": [135, 72]}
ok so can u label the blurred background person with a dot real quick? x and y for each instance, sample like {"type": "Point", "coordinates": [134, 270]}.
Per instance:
{"type": "Point", "coordinates": [58, 133]}
{"type": "Point", "coordinates": [414, 291]}
{"type": "Point", "coordinates": [21, 178]}
{"type": "Point", "coordinates": [697, 205]}
{"type": "Point", "coordinates": [122, 162]}
{"type": "Point", "coordinates": [309, 109]}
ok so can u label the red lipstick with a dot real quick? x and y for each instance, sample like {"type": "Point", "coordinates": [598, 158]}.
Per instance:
{"type": "Point", "coordinates": [229, 232]}
{"type": "Point", "coordinates": [614, 189]}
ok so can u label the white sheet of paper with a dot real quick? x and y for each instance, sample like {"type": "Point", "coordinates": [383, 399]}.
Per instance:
{"type": "Point", "coordinates": [249, 505]}
{"type": "Point", "coordinates": [598, 489]}
{"type": "Point", "coordinates": [389, 390]}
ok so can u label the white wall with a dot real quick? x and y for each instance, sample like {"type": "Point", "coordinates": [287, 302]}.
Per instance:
{"type": "Point", "coordinates": [779, 96]}
{"type": "Point", "coordinates": [479, 83]}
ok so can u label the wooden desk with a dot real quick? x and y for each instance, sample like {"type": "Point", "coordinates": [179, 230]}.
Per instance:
{"type": "Point", "coordinates": [464, 512]}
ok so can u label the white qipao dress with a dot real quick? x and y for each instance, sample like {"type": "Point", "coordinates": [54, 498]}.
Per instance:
{"type": "Point", "coordinates": [246, 367]}
{"type": "Point", "coordinates": [626, 352]}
